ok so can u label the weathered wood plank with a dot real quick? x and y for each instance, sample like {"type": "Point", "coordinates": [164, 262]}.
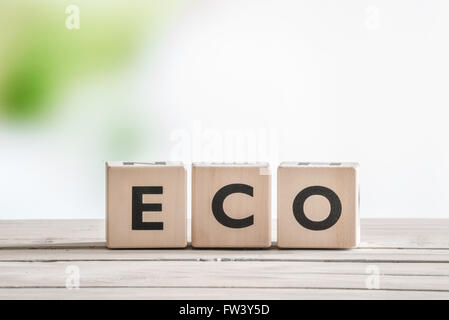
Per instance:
{"type": "Point", "coordinates": [52, 233]}
{"type": "Point", "coordinates": [405, 233]}
{"type": "Point", "coordinates": [280, 274]}
{"type": "Point", "coordinates": [375, 233]}
{"type": "Point", "coordinates": [102, 254]}
{"type": "Point", "coordinates": [411, 256]}
{"type": "Point", "coordinates": [213, 293]}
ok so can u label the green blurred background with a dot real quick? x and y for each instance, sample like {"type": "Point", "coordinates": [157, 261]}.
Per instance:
{"type": "Point", "coordinates": [73, 96]}
{"type": "Point", "coordinates": [42, 59]}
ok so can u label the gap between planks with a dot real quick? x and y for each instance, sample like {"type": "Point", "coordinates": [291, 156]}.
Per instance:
{"type": "Point", "coordinates": [212, 293]}
{"type": "Point", "coordinates": [375, 233]}
{"type": "Point", "coordinates": [44, 289]}
{"type": "Point", "coordinates": [356, 255]}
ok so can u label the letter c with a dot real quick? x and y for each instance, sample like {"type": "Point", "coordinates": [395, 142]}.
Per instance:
{"type": "Point", "coordinates": [217, 206]}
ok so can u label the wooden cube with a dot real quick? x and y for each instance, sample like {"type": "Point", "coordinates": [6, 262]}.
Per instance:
{"type": "Point", "coordinates": [318, 205]}
{"type": "Point", "coordinates": [146, 205]}
{"type": "Point", "coordinates": [231, 205]}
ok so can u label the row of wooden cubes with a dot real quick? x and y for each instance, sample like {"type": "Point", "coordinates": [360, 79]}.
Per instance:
{"type": "Point", "coordinates": [146, 204]}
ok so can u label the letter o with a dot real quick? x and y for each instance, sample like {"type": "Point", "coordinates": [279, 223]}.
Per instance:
{"type": "Point", "coordinates": [331, 196]}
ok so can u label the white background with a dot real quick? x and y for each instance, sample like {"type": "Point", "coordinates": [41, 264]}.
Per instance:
{"type": "Point", "coordinates": [363, 81]}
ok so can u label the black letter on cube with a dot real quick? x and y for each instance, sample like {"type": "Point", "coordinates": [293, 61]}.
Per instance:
{"type": "Point", "coordinates": [138, 208]}
{"type": "Point", "coordinates": [331, 196]}
{"type": "Point", "coordinates": [217, 206]}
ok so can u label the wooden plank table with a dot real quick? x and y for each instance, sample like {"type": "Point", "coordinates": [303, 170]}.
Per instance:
{"type": "Point", "coordinates": [403, 259]}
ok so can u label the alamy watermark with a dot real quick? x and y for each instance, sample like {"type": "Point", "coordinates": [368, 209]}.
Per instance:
{"type": "Point", "coordinates": [72, 21]}
{"type": "Point", "coordinates": [72, 280]}
{"type": "Point", "coordinates": [372, 17]}
{"type": "Point", "coordinates": [372, 281]}
{"type": "Point", "coordinates": [227, 145]}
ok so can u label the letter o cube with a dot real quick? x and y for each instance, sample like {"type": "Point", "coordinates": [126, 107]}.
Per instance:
{"type": "Point", "coordinates": [318, 205]}
{"type": "Point", "coordinates": [231, 205]}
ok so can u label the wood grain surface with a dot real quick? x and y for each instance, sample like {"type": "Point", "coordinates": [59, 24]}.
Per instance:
{"type": "Point", "coordinates": [402, 259]}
